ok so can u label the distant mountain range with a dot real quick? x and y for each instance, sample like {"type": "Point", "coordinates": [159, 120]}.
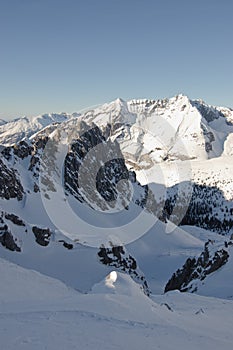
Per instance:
{"type": "Point", "coordinates": [197, 130]}
{"type": "Point", "coordinates": [18, 129]}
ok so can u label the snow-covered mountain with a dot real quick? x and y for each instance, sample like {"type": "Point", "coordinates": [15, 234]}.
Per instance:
{"type": "Point", "coordinates": [128, 185]}
{"type": "Point", "coordinates": [142, 188]}
{"type": "Point", "coordinates": [18, 129]}
{"type": "Point", "coordinates": [148, 130]}
{"type": "Point", "coordinates": [165, 130]}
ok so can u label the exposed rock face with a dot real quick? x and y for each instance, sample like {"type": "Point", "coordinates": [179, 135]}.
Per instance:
{"type": "Point", "coordinates": [15, 219]}
{"type": "Point", "coordinates": [209, 113]}
{"type": "Point", "coordinates": [42, 235]}
{"type": "Point", "coordinates": [66, 245]}
{"type": "Point", "coordinates": [10, 185]}
{"type": "Point", "coordinates": [22, 149]}
{"type": "Point", "coordinates": [118, 257]}
{"type": "Point", "coordinates": [79, 149]}
{"type": "Point", "coordinates": [202, 210]}
{"type": "Point", "coordinates": [6, 238]}
{"type": "Point", "coordinates": [197, 269]}
{"type": "Point", "coordinates": [102, 166]}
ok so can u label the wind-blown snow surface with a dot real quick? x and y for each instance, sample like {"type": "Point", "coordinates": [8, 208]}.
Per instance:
{"type": "Point", "coordinates": [42, 313]}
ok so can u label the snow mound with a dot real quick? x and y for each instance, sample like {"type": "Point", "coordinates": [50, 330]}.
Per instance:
{"type": "Point", "coordinates": [111, 279]}
{"type": "Point", "coordinates": [118, 283]}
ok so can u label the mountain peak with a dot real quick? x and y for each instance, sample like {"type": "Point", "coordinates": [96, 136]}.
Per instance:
{"type": "Point", "coordinates": [119, 100]}
{"type": "Point", "coordinates": [180, 98]}
{"type": "Point", "coordinates": [2, 122]}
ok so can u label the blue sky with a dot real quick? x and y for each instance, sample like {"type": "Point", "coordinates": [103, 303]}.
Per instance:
{"type": "Point", "coordinates": [65, 55]}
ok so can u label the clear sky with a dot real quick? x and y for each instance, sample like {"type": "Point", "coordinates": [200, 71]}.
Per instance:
{"type": "Point", "coordinates": [65, 55]}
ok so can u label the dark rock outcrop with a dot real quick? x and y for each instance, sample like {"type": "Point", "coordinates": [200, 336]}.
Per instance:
{"type": "Point", "coordinates": [7, 240]}
{"type": "Point", "coordinates": [22, 149]}
{"type": "Point", "coordinates": [42, 235]}
{"type": "Point", "coordinates": [10, 185]}
{"type": "Point", "coordinates": [104, 178]}
{"type": "Point", "coordinates": [66, 245]}
{"type": "Point", "coordinates": [197, 269]}
{"type": "Point", "coordinates": [117, 257]}
{"type": "Point", "coordinates": [15, 219]}
{"type": "Point", "coordinates": [202, 210]}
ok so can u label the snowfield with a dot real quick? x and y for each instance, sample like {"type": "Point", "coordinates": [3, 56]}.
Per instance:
{"type": "Point", "coordinates": [42, 313]}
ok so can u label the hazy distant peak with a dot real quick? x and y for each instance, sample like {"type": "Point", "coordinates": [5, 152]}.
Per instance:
{"type": "Point", "coordinates": [2, 122]}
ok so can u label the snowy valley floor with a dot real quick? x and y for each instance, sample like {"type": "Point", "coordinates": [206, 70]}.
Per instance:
{"type": "Point", "coordinates": [38, 312]}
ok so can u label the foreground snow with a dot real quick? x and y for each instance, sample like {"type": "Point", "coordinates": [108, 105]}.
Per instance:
{"type": "Point", "coordinates": [38, 312]}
